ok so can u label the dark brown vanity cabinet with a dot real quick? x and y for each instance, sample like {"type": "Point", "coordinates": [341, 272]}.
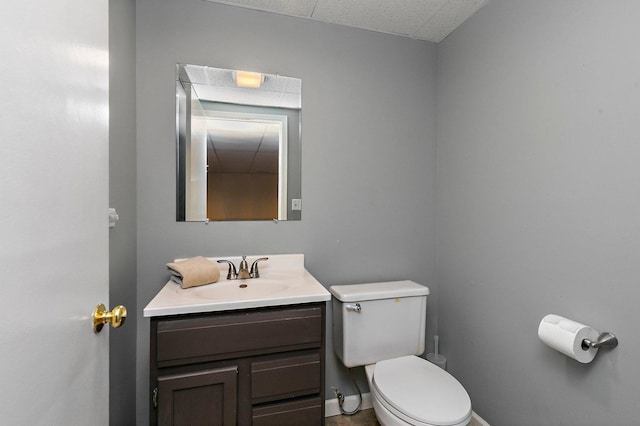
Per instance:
{"type": "Point", "coordinates": [259, 367]}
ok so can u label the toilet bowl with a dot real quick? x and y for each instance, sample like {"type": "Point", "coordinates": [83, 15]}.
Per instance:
{"type": "Point", "coordinates": [381, 326]}
{"type": "Point", "coordinates": [412, 391]}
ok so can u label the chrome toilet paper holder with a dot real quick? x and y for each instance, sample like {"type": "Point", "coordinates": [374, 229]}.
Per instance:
{"type": "Point", "coordinates": [605, 340]}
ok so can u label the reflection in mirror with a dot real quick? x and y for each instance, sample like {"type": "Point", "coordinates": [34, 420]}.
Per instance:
{"type": "Point", "coordinates": [238, 145]}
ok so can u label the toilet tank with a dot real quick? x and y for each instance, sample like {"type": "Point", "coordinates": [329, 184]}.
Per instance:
{"type": "Point", "coordinates": [377, 321]}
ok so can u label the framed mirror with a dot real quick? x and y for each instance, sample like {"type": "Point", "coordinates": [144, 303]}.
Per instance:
{"type": "Point", "coordinates": [238, 145]}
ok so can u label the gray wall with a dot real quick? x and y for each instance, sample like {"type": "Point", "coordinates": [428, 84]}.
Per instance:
{"type": "Point", "coordinates": [122, 196]}
{"type": "Point", "coordinates": [539, 206]}
{"type": "Point", "coordinates": [368, 150]}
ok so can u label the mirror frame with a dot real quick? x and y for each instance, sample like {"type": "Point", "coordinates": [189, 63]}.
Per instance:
{"type": "Point", "coordinates": [290, 166]}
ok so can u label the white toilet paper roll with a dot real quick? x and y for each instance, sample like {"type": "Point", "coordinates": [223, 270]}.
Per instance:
{"type": "Point", "coordinates": [566, 336]}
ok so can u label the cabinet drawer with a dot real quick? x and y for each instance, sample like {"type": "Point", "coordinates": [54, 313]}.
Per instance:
{"type": "Point", "coordinates": [286, 377]}
{"type": "Point", "coordinates": [233, 335]}
{"type": "Point", "coordinates": [306, 412]}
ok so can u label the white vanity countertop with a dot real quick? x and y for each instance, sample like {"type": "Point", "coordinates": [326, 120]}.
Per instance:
{"type": "Point", "coordinates": [283, 281]}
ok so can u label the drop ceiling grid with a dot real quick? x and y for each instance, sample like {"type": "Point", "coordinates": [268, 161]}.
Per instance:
{"type": "Point", "coordinates": [301, 8]}
{"type": "Point", "coordinates": [430, 20]}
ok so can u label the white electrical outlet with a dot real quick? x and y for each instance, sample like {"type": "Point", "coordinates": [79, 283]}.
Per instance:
{"type": "Point", "coordinates": [296, 204]}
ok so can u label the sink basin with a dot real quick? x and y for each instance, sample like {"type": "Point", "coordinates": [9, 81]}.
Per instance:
{"type": "Point", "coordinates": [236, 289]}
{"type": "Point", "coordinates": [283, 281]}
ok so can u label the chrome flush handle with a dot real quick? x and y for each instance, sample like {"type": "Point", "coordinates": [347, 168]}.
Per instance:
{"type": "Point", "coordinates": [353, 307]}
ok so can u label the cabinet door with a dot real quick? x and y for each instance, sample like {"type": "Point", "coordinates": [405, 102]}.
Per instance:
{"type": "Point", "coordinates": [200, 398]}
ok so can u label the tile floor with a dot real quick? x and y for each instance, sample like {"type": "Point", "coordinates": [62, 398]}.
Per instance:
{"type": "Point", "coordinates": [361, 418]}
{"type": "Point", "coordinates": [365, 418]}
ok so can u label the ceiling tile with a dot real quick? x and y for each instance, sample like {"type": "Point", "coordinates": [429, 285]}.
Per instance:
{"type": "Point", "coordinates": [449, 17]}
{"type": "Point", "coordinates": [265, 162]}
{"type": "Point", "coordinates": [402, 17]}
{"type": "Point", "coordinates": [430, 20]}
{"type": "Point", "coordinates": [234, 162]}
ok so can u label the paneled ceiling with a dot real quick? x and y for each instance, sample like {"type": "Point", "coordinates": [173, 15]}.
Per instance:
{"type": "Point", "coordinates": [430, 20]}
{"type": "Point", "coordinates": [235, 146]}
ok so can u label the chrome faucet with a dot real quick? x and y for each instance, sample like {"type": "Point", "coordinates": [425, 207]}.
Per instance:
{"type": "Point", "coordinates": [243, 273]}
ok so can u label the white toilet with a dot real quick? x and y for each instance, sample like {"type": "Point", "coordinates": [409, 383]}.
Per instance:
{"type": "Point", "coordinates": [382, 326]}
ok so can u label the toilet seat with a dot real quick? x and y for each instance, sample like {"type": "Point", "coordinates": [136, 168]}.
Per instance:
{"type": "Point", "coordinates": [420, 393]}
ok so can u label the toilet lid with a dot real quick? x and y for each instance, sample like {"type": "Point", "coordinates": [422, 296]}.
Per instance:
{"type": "Point", "coordinates": [415, 388]}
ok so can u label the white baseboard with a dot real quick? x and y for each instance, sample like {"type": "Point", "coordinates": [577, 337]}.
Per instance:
{"type": "Point", "coordinates": [476, 420]}
{"type": "Point", "coordinates": [332, 408]}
